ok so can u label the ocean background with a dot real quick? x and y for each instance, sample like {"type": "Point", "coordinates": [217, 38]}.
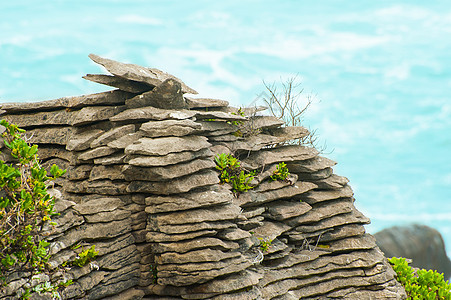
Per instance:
{"type": "Point", "coordinates": [379, 72]}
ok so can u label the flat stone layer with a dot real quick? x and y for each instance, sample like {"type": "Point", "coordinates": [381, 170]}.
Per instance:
{"type": "Point", "coordinates": [166, 145]}
{"type": "Point", "coordinates": [133, 72]}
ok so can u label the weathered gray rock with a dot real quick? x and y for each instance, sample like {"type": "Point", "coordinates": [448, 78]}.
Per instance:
{"type": "Point", "coordinates": [125, 140]}
{"type": "Point", "coordinates": [213, 214]}
{"type": "Point", "coordinates": [177, 278]}
{"type": "Point", "coordinates": [198, 243]}
{"type": "Point", "coordinates": [152, 113]}
{"type": "Point", "coordinates": [115, 97]}
{"type": "Point", "coordinates": [205, 102]}
{"type": "Point", "coordinates": [158, 204]}
{"type": "Point", "coordinates": [355, 217]}
{"type": "Point", "coordinates": [332, 182]}
{"type": "Point", "coordinates": [285, 210]}
{"type": "Point", "coordinates": [179, 185]}
{"type": "Point", "coordinates": [94, 231]}
{"type": "Point", "coordinates": [219, 115]}
{"type": "Point", "coordinates": [277, 136]}
{"type": "Point", "coordinates": [92, 114]}
{"type": "Point", "coordinates": [166, 145]}
{"type": "Point", "coordinates": [169, 128]}
{"type": "Point", "coordinates": [271, 230]}
{"type": "Point", "coordinates": [177, 229]}
{"type": "Point", "coordinates": [283, 154]}
{"type": "Point", "coordinates": [204, 255]}
{"type": "Point", "coordinates": [156, 237]}
{"type": "Point", "coordinates": [113, 159]}
{"type": "Point", "coordinates": [311, 165]}
{"type": "Point", "coordinates": [169, 172]}
{"type": "Point", "coordinates": [323, 212]}
{"type": "Point", "coordinates": [58, 135]}
{"type": "Point", "coordinates": [169, 159]}
{"type": "Point", "coordinates": [95, 153]}
{"type": "Point", "coordinates": [313, 197]}
{"type": "Point", "coordinates": [217, 128]}
{"type": "Point", "coordinates": [151, 76]}
{"type": "Point", "coordinates": [252, 198]}
{"type": "Point", "coordinates": [112, 172]}
{"type": "Point", "coordinates": [83, 140]}
{"type": "Point", "coordinates": [112, 135]}
{"type": "Point", "coordinates": [98, 205]}
{"type": "Point", "coordinates": [422, 244]}
{"type": "Point", "coordinates": [231, 283]}
{"type": "Point", "coordinates": [167, 95]}
{"type": "Point", "coordinates": [130, 86]}
{"type": "Point", "coordinates": [103, 187]}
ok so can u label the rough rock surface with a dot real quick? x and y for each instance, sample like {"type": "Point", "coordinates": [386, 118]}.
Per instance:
{"type": "Point", "coordinates": [142, 186]}
{"type": "Point", "coordinates": [422, 244]}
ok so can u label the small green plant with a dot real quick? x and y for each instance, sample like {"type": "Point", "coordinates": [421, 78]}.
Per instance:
{"type": "Point", "coordinates": [85, 257]}
{"type": "Point", "coordinates": [25, 207]}
{"type": "Point", "coordinates": [233, 173]}
{"type": "Point", "coordinates": [281, 173]}
{"type": "Point", "coordinates": [424, 285]}
{"type": "Point", "coordinates": [265, 244]}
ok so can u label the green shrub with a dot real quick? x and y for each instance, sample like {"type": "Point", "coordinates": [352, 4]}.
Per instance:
{"type": "Point", "coordinates": [231, 172]}
{"type": "Point", "coordinates": [265, 244]}
{"type": "Point", "coordinates": [25, 207]}
{"type": "Point", "coordinates": [424, 285]}
{"type": "Point", "coordinates": [281, 173]}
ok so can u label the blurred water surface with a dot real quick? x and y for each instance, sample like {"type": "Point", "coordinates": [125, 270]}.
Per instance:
{"type": "Point", "coordinates": [381, 72]}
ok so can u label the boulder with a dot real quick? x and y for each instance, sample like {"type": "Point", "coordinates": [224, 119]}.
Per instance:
{"type": "Point", "coordinates": [422, 244]}
{"type": "Point", "coordinates": [167, 95]}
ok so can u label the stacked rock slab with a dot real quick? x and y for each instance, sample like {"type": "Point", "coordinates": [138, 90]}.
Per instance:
{"type": "Point", "coordinates": [142, 187]}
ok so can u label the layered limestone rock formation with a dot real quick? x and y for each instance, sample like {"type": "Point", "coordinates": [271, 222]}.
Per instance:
{"type": "Point", "coordinates": [142, 187]}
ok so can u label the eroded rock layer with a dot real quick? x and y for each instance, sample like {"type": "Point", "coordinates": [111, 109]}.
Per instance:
{"type": "Point", "coordinates": [142, 187]}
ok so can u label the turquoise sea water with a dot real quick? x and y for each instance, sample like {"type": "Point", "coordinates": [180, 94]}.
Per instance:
{"type": "Point", "coordinates": [380, 70]}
